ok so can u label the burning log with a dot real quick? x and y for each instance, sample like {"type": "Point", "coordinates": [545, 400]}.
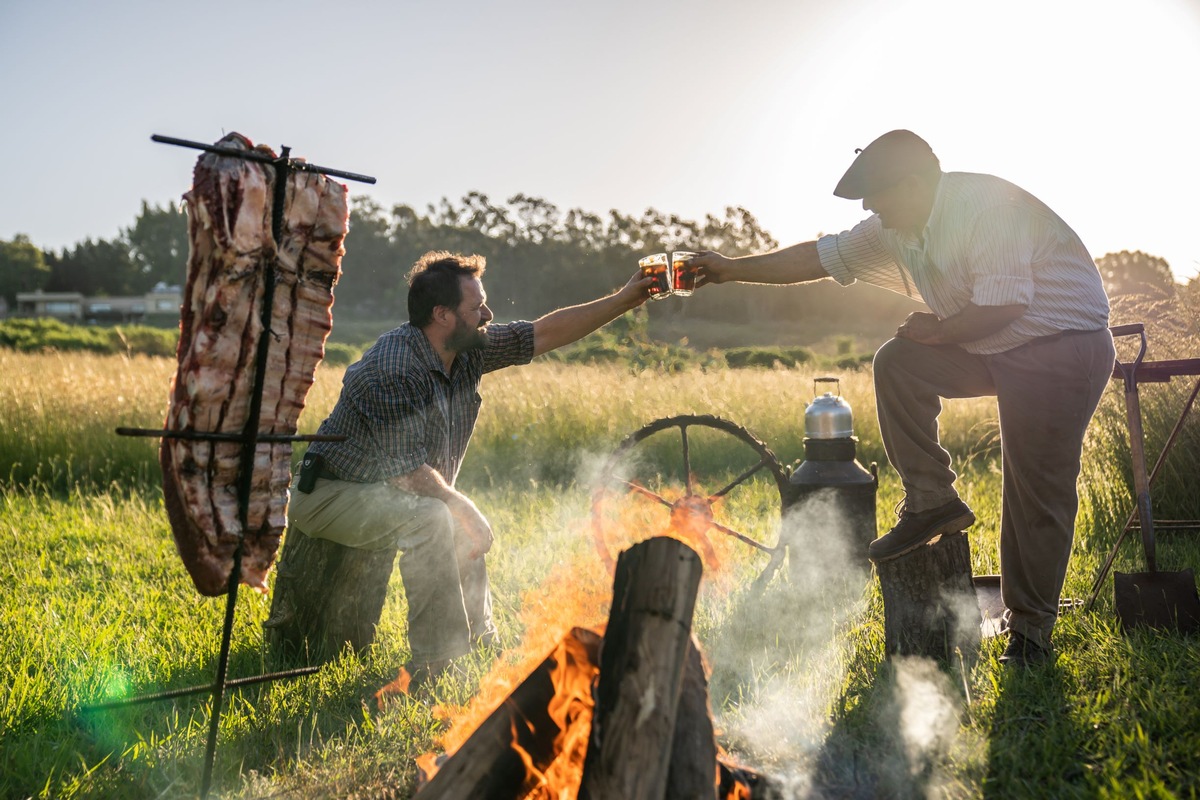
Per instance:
{"type": "Point", "coordinates": [647, 644]}
{"type": "Point", "coordinates": [631, 715]}
{"type": "Point", "coordinates": [926, 597]}
{"type": "Point", "coordinates": [521, 738]}
{"type": "Point", "coordinates": [326, 596]}
{"type": "Point", "coordinates": [694, 744]}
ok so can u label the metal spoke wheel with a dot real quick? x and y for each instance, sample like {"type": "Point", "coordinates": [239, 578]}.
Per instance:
{"type": "Point", "coordinates": [699, 478]}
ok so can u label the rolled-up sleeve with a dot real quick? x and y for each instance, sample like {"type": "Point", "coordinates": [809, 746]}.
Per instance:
{"type": "Point", "coordinates": [860, 254]}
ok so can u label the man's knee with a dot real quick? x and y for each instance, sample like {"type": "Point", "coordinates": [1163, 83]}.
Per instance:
{"type": "Point", "coordinates": [428, 523]}
{"type": "Point", "coordinates": [894, 356]}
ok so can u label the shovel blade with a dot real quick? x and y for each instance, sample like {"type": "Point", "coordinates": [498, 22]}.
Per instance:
{"type": "Point", "coordinates": [1157, 600]}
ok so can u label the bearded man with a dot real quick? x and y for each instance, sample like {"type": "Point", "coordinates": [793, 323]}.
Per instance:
{"type": "Point", "coordinates": [407, 410]}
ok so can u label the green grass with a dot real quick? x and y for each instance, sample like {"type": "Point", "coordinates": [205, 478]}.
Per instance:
{"type": "Point", "coordinates": [96, 605]}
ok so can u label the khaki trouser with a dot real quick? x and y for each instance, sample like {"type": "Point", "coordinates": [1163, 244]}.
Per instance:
{"type": "Point", "coordinates": [449, 601]}
{"type": "Point", "coordinates": [1046, 393]}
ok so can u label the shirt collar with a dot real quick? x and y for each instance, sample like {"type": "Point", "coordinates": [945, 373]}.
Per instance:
{"type": "Point", "coordinates": [423, 348]}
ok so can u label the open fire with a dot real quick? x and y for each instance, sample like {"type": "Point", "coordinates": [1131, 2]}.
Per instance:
{"type": "Point", "coordinates": [535, 731]}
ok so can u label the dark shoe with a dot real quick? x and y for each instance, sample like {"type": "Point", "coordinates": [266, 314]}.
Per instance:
{"type": "Point", "coordinates": [1025, 652]}
{"type": "Point", "coordinates": [917, 528]}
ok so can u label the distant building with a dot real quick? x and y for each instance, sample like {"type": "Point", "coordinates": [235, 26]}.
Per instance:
{"type": "Point", "coordinates": [60, 305]}
{"type": "Point", "coordinates": [161, 301]}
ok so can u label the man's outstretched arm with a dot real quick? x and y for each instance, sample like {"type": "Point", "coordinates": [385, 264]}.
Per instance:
{"type": "Point", "coordinates": [796, 264]}
{"type": "Point", "coordinates": [574, 322]}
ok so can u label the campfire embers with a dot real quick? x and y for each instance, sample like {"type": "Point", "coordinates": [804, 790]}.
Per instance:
{"type": "Point", "coordinates": [626, 716]}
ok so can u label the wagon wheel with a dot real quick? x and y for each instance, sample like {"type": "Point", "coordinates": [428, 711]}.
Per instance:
{"type": "Point", "coordinates": [648, 487]}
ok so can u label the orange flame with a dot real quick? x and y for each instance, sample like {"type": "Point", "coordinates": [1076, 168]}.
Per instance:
{"type": "Point", "coordinates": [574, 595]}
{"type": "Point", "coordinates": [571, 710]}
{"type": "Point", "coordinates": [621, 518]}
{"type": "Point", "coordinates": [577, 594]}
{"type": "Point", "coordinates": [398, 686]}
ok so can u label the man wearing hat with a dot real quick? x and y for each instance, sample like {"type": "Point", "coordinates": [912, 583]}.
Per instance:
{"type": "Point", "coordinates": [1017, 311]}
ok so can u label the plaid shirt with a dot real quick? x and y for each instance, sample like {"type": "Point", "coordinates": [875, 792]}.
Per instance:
{"type": "Point", "coordinates": [987, 242]}
{"type": "Point", "coordinates": [399, 409]}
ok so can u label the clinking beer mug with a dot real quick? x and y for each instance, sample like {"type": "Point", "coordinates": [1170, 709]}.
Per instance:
{"type": "Point", "coordinates": [673, 275]}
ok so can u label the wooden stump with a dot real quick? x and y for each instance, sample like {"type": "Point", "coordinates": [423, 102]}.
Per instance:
{"type": "Point", "coordinates": [929, 604]}
{"type": "Point", "coordinates": [326, 596]}
{"type": "Point", "coordinates": [646, 647]}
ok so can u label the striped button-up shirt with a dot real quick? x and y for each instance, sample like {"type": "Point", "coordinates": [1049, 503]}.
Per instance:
{"type": "Point", "coordinates": [986, 242]}
{"type": "Point", "coordinates": [399, 408]}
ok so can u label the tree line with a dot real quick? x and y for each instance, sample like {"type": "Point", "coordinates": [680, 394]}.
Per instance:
{"type": "Point", "coordinates": [539, 258]}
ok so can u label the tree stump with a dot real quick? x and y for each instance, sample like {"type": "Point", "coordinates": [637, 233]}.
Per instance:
{"type": "Point", "coordinates": [646, 647]}
{"type": "Point", "coordinates": [929, 605]}
{"type": "Point", "coordinates": [326, 596]}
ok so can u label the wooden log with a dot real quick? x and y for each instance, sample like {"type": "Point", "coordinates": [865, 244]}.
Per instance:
{"type": "Point", "coordinates": [488, 765]}
{"type": "Point", "coordinates": [694, 742]}
{"type": "Point", "coordinates": [646, 646]}
{"type": "Point", "coordinates": [326, 596]}
{"type": "Point", "coordinates": [929, 605]}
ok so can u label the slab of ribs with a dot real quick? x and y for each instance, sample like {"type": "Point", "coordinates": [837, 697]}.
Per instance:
{"type": "Point", "coordinates": [231, 250]}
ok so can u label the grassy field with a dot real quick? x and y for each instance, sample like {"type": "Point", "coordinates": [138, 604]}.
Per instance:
{"type": "Point", "coordinates": [96, 605]}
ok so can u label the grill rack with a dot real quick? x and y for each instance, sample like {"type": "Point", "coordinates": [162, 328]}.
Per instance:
{"type": "Point", "coordinates": [249, 438]}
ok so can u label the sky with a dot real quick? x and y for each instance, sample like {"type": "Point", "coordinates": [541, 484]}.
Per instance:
{"type": "Point", "coordinates": [686, 107]}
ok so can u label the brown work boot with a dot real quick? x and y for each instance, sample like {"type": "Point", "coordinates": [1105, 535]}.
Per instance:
{"type": "Point", "coordinates": [916, 528]}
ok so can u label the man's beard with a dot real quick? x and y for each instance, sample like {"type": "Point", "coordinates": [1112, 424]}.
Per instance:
{"type": "Point", "coordinates": [464, 337]}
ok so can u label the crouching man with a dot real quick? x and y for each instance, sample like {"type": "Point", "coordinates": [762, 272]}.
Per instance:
{"type": "Point", "coordinates": [407, 409]}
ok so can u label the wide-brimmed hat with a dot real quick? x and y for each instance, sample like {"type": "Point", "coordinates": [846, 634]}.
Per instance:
{"type": "Point", "coordinates": [884, 163]}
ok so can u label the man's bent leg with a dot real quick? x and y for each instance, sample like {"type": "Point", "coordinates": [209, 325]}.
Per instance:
{"type": "Point", "coordinates": [910, 380]}
{"type": "Point", "coordinates": [378, 516]}
{"type": "Point", "coordinates": [1047, 395]}
{"type": "Point", "coordinates": [476, 591]}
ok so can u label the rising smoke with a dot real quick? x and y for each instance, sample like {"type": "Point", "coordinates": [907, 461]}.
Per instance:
{"type": "Point", "coordinates": [780, 677]}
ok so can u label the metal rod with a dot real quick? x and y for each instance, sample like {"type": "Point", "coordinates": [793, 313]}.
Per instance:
{"type": "Point", "coordinates": [637, 487]}
{"type": "Point", "coordinates": [208, 687]}
{"type": "Point", "coordinates": [687, 460]}
{"type": "Point", "coordinates": [218, 689]}
{"type": "Point", "coordinates": [262, 158]}
{"type": "Point", "coordinates": [1128, 526]}
{"type": "Point", "coordinates": [744, 476]}
{"type": "Point", "coordinates": [743, 537]}
{"type": "Point", "coordinates": [246, 475]}
{"type": "Point", "coordinates": [230, 437]}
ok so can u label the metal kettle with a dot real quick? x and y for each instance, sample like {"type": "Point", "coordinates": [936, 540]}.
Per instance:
{"type": "Point", "coordinates": [828, 416]}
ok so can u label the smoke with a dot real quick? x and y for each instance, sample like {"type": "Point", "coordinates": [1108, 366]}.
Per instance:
{"type": "Point", "coordinates": [782, 661]}
{"type": "Point", "coordinates": [929, 710]}
{"type": "Point", "coordinates": [781, 672]}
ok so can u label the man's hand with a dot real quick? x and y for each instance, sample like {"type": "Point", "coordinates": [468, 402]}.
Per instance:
{"type": "Point", "coordinates": [636, 290]}
{"type": "Point", "coordinates": [473, 523]}
{"type": "Point", "coordinates": [712, 267]}
{"type": "Point", "coordinates": [922, 327]}
{"type": "Point", "coordinates": [969, 325]}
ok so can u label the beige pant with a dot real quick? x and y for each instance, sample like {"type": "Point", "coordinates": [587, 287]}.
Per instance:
{"type": "Point", "coordinates": [1046, 393]}
{"type": "Point", "coordinates": [449, 601]}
